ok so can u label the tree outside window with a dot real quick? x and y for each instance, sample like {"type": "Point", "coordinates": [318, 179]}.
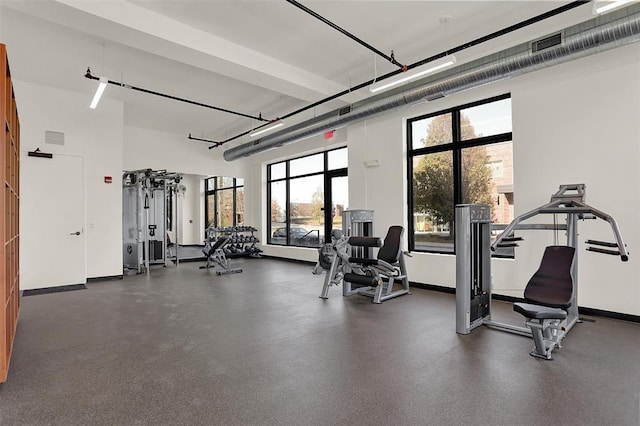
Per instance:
{"type": "Point", "coordinates": [452, 164]}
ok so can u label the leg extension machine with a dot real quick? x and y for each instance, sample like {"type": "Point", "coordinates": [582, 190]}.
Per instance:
{"type": "Point", "coordinates": [373, 277]}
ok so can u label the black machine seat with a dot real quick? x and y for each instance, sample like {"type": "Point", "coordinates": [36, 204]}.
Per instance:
{"type": "Point", "coordinates": [539, 312]}
{"type": "Point", "coordinates": [373, 277]}
{"type": "Point", "coordinates": [389, 252]}
{"type": "Point", "coordinates": [547, 294]}
{"type": "Point", "coordinates": [552, 284]}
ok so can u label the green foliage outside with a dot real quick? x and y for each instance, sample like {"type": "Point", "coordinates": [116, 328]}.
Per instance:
{"type": "Point", "coordinates": [433, 174]}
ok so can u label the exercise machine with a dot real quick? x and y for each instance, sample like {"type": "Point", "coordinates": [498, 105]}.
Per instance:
{"type": "Point", "coordinates": [368, 276]}
{"type": "Point", "coordinates": [358, 223]}
{"type": "Point", "coordinates": [550, 307]}
{"type": "Point", "coordinates": [146, 194]}
{"type": "Point", "coordinates": [327, 252]}
{"type": "Point", "coordinates": [216, 256]}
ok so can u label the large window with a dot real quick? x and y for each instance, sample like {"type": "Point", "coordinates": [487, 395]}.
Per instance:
{"type": "Point", "coordinates": [306, 197]}
{"type": "Point", "coordinates": [224, 201]}
{"type": "Point", "coordinates": [461, 155]}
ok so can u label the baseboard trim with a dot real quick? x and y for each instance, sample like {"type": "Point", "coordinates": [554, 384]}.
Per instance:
{"type": "Point", "coordinates": [614, 315]}
{"type": "Point", "coordinates": [105, 278]}
{"type": "Point", "coordinates": [47, 290]}
{"type": "Point", "coordinates": [191, 259]}
{"type": "Point", "coordinates": [441, 289]}
{"type": "Point", "coordinates": [286, 259]}
{"type": "Point", "coordinates": [581, 309]}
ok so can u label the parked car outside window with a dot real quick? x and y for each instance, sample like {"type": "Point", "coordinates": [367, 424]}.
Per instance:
{"type": "Point", "coordinates": [299, 235]}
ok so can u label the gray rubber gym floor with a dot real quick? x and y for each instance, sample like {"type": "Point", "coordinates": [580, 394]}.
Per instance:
{"type": "Point", "coordinates": [184, 346]}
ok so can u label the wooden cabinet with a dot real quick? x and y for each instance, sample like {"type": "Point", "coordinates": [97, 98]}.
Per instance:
{"type": "Point", "coordinates": [9, 230]}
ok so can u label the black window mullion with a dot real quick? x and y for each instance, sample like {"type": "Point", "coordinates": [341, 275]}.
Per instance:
{"type": "Point", "coordinates": [328, 198]}
{"type": "Point", "coordinates": [287, 217]}
{"type": "Point", "coordinates": [457, 166]}
{"type": "Point", "coordinates": [269, 204]}
{"type": "Point", "coordinates": [235, 195]}
{"type": "Point", "coordinates": [410, 157]}
{"type": "Point", "coordinates": [206, 204]}
{"type": "Point", "coordinates": [233, 209]}
{"type": "Point", "coordinates": [455, 147]}
{"type": "Point", "coordinates": [457, 159]}
{"type": "Point", "coordinates": [215, 203]}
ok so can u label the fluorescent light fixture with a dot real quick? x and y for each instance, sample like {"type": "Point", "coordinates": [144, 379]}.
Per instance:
{"type": "Point", "coordinates": [275, 125]}
{"type": "Point", "coordinates": [429, 68]}
{"type": "Point", "coordinates": [99, 92]}
{"type": "Point", "coordinates": [600, 7]}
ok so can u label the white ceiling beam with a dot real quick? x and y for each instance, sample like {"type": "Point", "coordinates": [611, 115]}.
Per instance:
{"type": "Point", "coordinates": [134, 26]}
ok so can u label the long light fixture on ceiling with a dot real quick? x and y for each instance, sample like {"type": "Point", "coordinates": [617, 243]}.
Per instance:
{"type": "Point", "coordinates": [163, 95]}
{"type": "Point", "coordinates": [600, 7]}
{"type": "Point", "coordinates": [261, 130]}
{"type": "Point", "coordinates": [426, 69]}
{"type": "Point", "coordinates": [96, 98]}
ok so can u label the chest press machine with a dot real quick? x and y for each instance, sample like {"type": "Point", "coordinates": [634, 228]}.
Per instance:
{"type": "Point", "coordinates": [550, 303]}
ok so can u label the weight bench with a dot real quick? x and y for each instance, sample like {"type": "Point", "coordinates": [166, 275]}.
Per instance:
{"type": "Point", "coordinates": [547, 296]}
{"type": "Point", "coordinates": [216, 257]}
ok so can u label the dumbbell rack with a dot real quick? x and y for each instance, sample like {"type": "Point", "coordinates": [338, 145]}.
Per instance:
{"type": "Point", "coordinates": [242, 241]}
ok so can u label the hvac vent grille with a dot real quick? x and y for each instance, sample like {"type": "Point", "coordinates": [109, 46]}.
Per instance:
{"type": "Point", "coordinates": [435, 96]}
{"type": "Point", "coordinates": [53, 138]}
{"type": "Point", "coordinates": [546, 43]}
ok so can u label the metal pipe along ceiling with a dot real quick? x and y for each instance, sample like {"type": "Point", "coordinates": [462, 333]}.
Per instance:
{"type": "Point", "coordinates": [596, 35]}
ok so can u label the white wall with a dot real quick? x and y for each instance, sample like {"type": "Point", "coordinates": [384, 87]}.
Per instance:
{"type": "Point", "coordinates": [1, 26]}
{"type": "Point", "coordinates": [572, 123]}
{"type": "Point", "coordinates": [191, 222]}
{"type": "Point", "coordinates": [97, 136]}
{"type": "Point", "coordinates": [145, 148]}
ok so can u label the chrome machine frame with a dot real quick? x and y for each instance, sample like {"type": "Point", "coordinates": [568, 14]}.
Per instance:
{"type": "Point", "coordinates": [473, 255]}
{"type": "Point", "coordinates": [144, 217]}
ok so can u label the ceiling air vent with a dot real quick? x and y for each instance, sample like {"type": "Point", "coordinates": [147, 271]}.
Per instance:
{"type": "Point", "coordinates": [435, 96]}
{"type": "Point", "coordinates": [546, 43]}
{"type": "Point", "coordinates": [53, 138]}
{"type": "Point", "coordinates": [345, 110]}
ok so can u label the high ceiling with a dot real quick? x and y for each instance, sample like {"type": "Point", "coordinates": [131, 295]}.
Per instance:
{"type": "Point", "coordinates": [253, 56]}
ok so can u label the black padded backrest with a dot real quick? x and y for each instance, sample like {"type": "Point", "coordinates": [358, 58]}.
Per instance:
{"type": "Point", "coordinates": [218, 244]}
{"type": "Point", "coordinates": [552, 284]}
{"type": "Point", "coordinates": [392, 246]}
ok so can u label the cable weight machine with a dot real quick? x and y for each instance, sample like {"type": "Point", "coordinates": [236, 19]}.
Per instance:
{"type": "Point", "coordinates": [473, 265]}
{"type": "Point", "coordinates": [146, 194]}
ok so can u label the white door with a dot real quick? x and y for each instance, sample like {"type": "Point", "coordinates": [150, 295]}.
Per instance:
{"type": "Point", "coordinates": [52, 238]}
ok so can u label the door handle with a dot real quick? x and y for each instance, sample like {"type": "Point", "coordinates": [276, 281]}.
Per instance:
{"type": "Point", "coordinates": [75, 233]}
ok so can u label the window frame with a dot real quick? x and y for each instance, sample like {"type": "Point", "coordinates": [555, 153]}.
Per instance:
{"type": "Point", "coordinates": [214, 192]}
{"type": "Point", "coordinates": [327, 174]}
{"type": "Point", "coordinates": [456, 147]}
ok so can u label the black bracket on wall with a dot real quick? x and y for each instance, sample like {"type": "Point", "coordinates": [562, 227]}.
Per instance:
{"type": "Point", "coordinates": [39, 154]}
